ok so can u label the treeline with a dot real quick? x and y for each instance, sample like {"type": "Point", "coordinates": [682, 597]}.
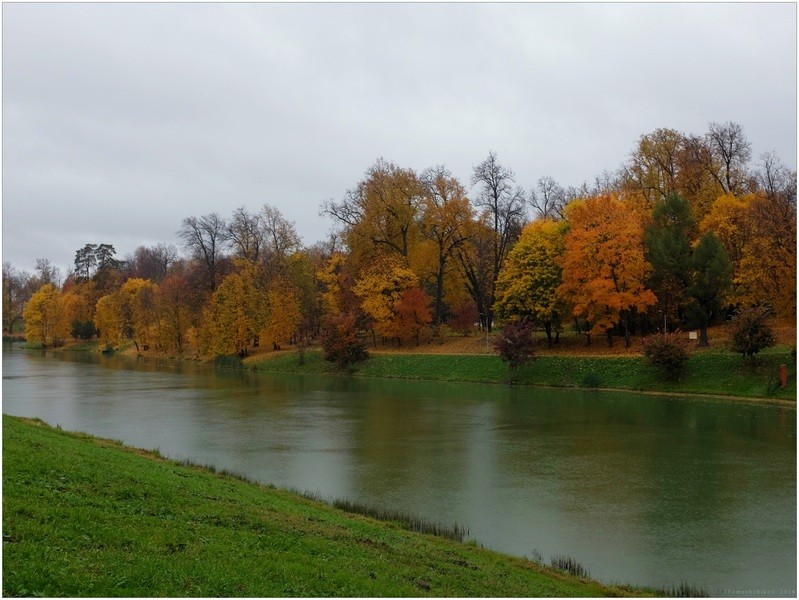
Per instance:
{"type": "Point", "coordinates": [678, 236]}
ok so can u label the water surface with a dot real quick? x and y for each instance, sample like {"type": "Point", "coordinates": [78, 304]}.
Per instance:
{"type": "Point", "coordinates": [649, 490]}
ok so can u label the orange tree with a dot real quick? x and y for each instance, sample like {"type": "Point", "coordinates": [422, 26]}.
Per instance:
{"type": "Point", "coordinates": [604, 268]}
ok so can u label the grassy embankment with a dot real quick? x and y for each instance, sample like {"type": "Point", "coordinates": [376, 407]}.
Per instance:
{"type": "Point", "coordinates": [90, 517]}
{"type": "Point", "coordinates": [716, 372]}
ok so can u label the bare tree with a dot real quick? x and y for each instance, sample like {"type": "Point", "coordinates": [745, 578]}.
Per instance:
{"type": "Point", "coordinates": [280, 237]}
{"type": "Point", "coordinates": [777, 182]}
{"type": "Point", "coordinates": [204, 238]}
{"type": "Point", "coordinates": [17, 290]}
{"type": "Point", "coordinates": [548, 198]}
{"type": "Point", "coordinates": [47, 272]}
{"type": "Point", "coordinates": [503, 203]}
{"type": "Point", "coordinates": [731, 152]}
{"type": "Point", "coordinates": [245, 234]}
{"type": "Point", "coordinates": [151, 262]}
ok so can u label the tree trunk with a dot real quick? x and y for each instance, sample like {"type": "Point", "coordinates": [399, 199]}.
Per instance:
{"type": "Point", "coordinates": [548, 330]}
{"type": "Point", "coordinates": [625, 321]}
{"type": "Point", "coordinates": [438, 316]}
{"type": "Point", "coordinates": [703, 341]}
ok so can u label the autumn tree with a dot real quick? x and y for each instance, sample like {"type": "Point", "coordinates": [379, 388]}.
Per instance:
{"type": "Point", "coordinates": [380, 289]}
{"type": "Point", "coordinates": [767, 270]}
{"type": "Point", "coordinates": [337, 284]}
{"type": "Point", "coordinates": [236, 313]}
{"type": "Point", "coordinates": [502, 202]}
{"type": "Point", "coordinates": [204, 238]}
{"type": "Point", "coordinates": [109, 318]}
{"type": "Point", "coordinates": [303, 267]}
{"type": "Point", "coordinates": [174, 312]}
{"type": "Point", "coordinates": [730, 218]}
{"type": "Point", "coordinates": [283, 311]}
{"type": "Point", "coordinates": [141, 311]}
{"type": "Point", "coordinates": [528, 286]}
{"type": "Point", "coordinates": [340, 343]}
{"type": "Point", "coordinates": [79, 311]}
{"type": "Point", "coordinates": [447, 222]}
{"type": "Point", "coordinates": [604, 267]}
{"type": "Point", "coordinates": [45, 321]}
{"type": "Point", "coordinates": [711, 279]}
{"type": "Point", "coordinates": [464, 317]}
{"type": "Point", "coordinates": [413, 313]}
{"type": "Point", "coordinates": [381, 212]}
{"type": "Point", "coordinates": [653, 167]}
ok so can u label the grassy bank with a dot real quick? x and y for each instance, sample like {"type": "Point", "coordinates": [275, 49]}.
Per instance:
{"type": "Point", "coordinates": [716, 372]}
{"type": "Point", "coordinates": [90, 517]}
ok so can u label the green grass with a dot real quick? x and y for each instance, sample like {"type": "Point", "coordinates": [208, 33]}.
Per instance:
{"type": "Point", "coordinates": [90, 517]}
{"type": "Point", "coordinates": [717, 372]}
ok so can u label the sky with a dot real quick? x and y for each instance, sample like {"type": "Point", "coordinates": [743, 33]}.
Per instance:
{"type": "Point", "coordinates": [121, 120]}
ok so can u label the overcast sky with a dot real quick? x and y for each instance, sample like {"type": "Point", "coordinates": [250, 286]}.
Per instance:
{"type": "Point", "coordinates": [120, 120]}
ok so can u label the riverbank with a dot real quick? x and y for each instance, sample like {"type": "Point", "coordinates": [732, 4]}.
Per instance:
{"type": "Point", "coordinates": [89, 517]}
{"type": "Point", "coordinates": [710, 372]}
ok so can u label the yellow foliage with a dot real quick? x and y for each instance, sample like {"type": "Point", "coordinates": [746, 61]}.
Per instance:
{"type": "Point", "coordinates": [45, 317]}
{"type": "Point", "coordinates": [109, 319]}
{"type": "Point", "coordinates": [236, 313]}
{"type": "Point", "coordinates": [380, 290]}
{"type": "Point", "coordinates": [284, 312]}
{"type": "Point", "coordinates": [528, 284]}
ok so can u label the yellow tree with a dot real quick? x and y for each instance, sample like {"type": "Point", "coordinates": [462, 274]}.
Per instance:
{"type": "Point", "coordinates": [527, 287]}
{"type": "Point", "coordinates": [283, 311]}
{"type": "Point", "coordinates": [45, 317]}
{"type": "Point", "coordinates": [759, 235]}
{"type": "Point", "coordinates": [109, 318]}
{"type": "Point", "coordinates": [604, 268]}
{"type": "Point", "coordinates": [140, 311]}
{"type": "Point", "coordinates": [236, 313]}
{"type": "Point", "coordinates": [731, 219]}
{"type": "Point", "coordinates": [380, 289]}
{"type": "Point", "coordinates": [381, 213]}
{"type": "Point", "coordinates": [334, 282]}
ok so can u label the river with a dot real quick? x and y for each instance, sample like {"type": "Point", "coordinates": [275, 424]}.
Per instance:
{"type": "Point", "coordinates": [640, 489]}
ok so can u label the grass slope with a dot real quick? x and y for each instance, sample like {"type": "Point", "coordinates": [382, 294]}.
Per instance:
{"type": "Point", "coordinates": [709, 372]}
{"type": "Point", "coordinates": [90, 517]}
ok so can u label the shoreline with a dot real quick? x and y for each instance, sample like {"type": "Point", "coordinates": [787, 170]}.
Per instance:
{"type": "Point", "coordinates": [708, 377]}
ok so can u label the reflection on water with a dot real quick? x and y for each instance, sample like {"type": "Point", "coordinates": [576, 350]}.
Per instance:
{"type": "Point", "coordinates": [642, 489]}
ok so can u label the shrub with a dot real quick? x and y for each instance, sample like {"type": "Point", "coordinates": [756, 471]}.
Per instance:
{"type": "Point", "coordinates": [464, 318]}
{"type": "Point", "coordinates": [516, 345]}
{"type": "Point", "coordinates": [750, 332]}
{"type": "Point", "coordinates": [340, 343]}
{"type": "Point", "coordinates": [668, 352]}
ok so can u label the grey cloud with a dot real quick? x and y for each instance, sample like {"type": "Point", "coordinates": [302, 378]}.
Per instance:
{"type": "Point", "coordinates": [119, 120]}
